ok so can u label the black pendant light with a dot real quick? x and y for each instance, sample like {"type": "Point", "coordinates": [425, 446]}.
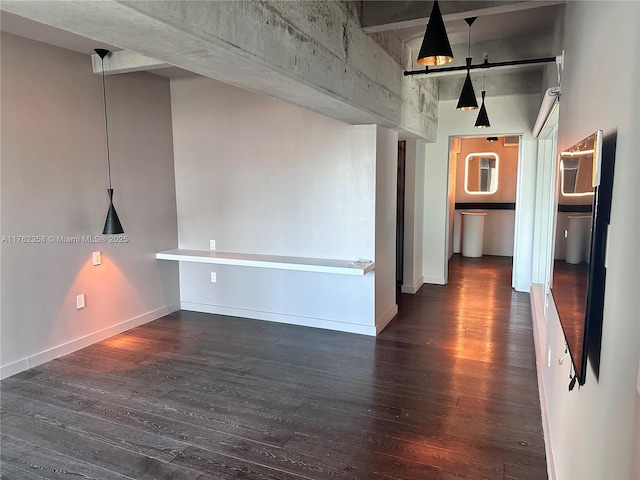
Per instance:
{"type": "Point", "coordinates": [467, 100]}
{"type": "Point", "coordinates": [436, 49]}
{"type": "Point", "coordinates": [483, 119]}
{"type": "Point", "coordinates": [112, 225]}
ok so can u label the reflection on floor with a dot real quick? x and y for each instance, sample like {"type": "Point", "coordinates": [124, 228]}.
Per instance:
{"type": "Point", "coordinates": [447, 391]}
{"type": "Point", "coordinates": [569, 293]}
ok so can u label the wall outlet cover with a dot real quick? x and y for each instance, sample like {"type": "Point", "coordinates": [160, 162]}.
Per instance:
{"type": "Point", "coordinates": [96, 257]}
{"type": "Point", "coordinates": [214, 277]}
{"type": "Point", "coordinates": [80, 301]}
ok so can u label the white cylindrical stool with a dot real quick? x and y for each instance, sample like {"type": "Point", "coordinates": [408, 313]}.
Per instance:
{"type": "Point", "coordinates": [578, 239]}
{"type": "Point", "coordinates": [472, 233]}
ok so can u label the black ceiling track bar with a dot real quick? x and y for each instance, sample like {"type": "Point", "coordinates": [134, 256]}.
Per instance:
{"type": "Point", "coordinates": [485, 64]}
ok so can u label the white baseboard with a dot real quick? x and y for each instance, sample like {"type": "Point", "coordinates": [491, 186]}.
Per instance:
{"type": "Point", "coordinates": [435, 280]}
{"type": "Point", "coordinates": [74, 345]}
{"type": "Point", "coordinates": [280, 318]}
{"type": "Point", "coordinates": [537, 309]}
{"type": "Point", "coordinates": [412, 288]}
{"type": "Point", "coordinates": [386, 318]}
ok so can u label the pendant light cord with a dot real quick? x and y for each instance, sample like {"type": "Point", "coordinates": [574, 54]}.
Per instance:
{"type": "Point", "coordinates": [106, 121]}
{"type": "Point", "coordinates": [469, 21]}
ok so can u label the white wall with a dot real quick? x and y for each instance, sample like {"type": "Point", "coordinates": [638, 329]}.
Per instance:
{"type": "Point", "coordinates": [509, 115]}
{"type": "Point", "coordinates": [261, 176]}
{"type": "Point", "coordinates": [386, 212]}
{"type": "Point", "coordinates": [413, 215]}
{"type": "Point", "coordinates": [455, 144]}
{"type": "Point", "coordinates": [54, 180]}
{"type": "Point", "coordinates": [595, 431]}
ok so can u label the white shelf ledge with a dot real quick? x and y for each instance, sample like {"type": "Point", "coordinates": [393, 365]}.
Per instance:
{"type": "Point", "coordinates": [303, 264]}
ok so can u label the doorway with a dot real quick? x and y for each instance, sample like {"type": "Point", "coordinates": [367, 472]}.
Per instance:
{"type": "Point", "coordinates": [400, 207]}
{"type": "Point", "coordinates": [483, 179]}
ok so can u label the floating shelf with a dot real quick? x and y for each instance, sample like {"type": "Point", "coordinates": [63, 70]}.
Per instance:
{"type": "Point", "coordinates": [302, 264]}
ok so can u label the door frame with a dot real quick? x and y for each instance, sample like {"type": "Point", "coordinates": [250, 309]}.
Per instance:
{"type": "Point", "coordinates": [518, 201]}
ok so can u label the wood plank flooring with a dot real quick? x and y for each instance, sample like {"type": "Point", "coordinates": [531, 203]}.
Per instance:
{"type": "Point", "coordinates": [447, 391]}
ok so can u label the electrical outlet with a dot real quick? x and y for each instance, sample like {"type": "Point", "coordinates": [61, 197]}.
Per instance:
{"type": "Point", "coordinates": [214, 277]}
{"type": "Point", "coordinates": [80, 301]}
{"type": "Point", "coordinates": [96, 258]}
{"type": "Point", "coordinates": [212, 244]}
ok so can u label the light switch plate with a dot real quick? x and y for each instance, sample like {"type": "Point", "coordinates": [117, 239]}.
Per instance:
{"type": "Point", "coordinates": [80, 301]}
{"type": "Point", "coordinates": [96, 258]}
{"type": "Point", "coordinates": [212, 244]}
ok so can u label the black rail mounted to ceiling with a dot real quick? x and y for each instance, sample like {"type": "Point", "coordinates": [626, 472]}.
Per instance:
{"type": "Point", "coordinates": [485, 64]}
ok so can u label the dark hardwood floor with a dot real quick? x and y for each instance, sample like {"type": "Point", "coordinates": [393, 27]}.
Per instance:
{"type": "Point", "coordinates": [447, 391]}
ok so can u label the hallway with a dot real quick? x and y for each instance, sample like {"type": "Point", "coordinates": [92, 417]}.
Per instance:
{"type": "Point", "coordinates": [447, 390]}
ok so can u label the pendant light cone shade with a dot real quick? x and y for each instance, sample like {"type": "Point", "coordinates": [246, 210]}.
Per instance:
{"type": "Point", "coordinates": [436, 49]}
{"type": "Point", "coordinates": [112, 225]}
{"type": "Point", "coordinates": [483, 119]}
{"type": "Point", "coordinates": [467, 100]}
{"type": "Point", "coordinates": [101, 53]}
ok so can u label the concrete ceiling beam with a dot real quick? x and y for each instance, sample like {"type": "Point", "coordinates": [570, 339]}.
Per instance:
{"type": "Point", "coordinates": [313, 54]}
{"type": "Point", "coordinates": [125, 61]}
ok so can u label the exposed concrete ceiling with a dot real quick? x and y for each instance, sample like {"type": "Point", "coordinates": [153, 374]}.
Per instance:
{"type": "Point", "coordinates": [507, 17]}
{"type": "Point", "coordinates": [504, 30]}
{"type": "Point", "coordinates": [40, 32]}
{"type": "Point", "coordinates": [312, 54]}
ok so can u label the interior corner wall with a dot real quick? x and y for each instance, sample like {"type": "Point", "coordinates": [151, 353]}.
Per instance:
{"type": "Point", "coordinates": [385, 227]}
{"type": "Point", "coordinates": [594, 430]}
{"type": "Point", "coordinates": [545, 203]}
{"type": "Point", "coordinates": [454, 148]}
{"type": "Point", "coordinates": [413, 215]}
{"type": "Point", "coordinates": [259, 175]}
{"type": "Point", "coordinates": [54, 202]}
{"type": "Point", "coordinates": [509, 115]}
